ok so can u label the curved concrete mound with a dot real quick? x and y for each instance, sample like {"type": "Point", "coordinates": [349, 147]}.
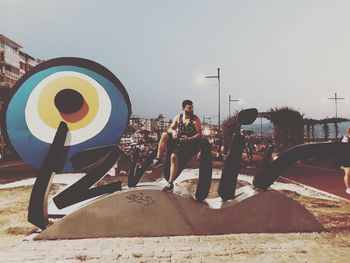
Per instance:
{"type": "Point", "coordinates": [148, 211]}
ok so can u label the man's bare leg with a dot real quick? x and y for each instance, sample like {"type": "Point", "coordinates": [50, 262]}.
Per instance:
{"type": "Point", "coordinates": [347, 179]}
{"type": "Point", "coordinates": [162, 145]}
{"type": "Point", "coordinates": [174, 166]}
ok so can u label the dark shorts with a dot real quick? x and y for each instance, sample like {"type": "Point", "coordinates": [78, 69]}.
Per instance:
{"type": "Point", "coordinates": [184, 150]}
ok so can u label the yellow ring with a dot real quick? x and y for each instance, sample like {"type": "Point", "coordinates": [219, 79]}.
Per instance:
{"type": "Point", "coordinates": [50, 114]}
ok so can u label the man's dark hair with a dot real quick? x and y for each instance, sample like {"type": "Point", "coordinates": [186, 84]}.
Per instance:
{"type": "Point", "coordinates": [186, 102]}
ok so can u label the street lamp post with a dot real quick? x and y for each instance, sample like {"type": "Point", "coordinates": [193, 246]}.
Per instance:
{"type": "Point", "coordinates": [209, 118]}
{"type": "Point", "coordinates": [229, 104]}
{"type": "Point", "coordinates": [218, 78]}
{"type": "Point", "coordinates": [336, 98]}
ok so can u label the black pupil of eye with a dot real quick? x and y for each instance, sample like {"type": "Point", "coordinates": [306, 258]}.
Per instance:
{"type": "Point", "coordinates": [68, 101]}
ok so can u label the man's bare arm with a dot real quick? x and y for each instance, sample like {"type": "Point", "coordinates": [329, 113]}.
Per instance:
{"type": "Point", "coordinates": [173, 126]}
{"type": "Point", "coordinates": [199, 134]}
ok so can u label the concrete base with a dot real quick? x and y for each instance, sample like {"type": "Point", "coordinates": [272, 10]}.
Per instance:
{"type": "Point", "coordinates": [148, 211]}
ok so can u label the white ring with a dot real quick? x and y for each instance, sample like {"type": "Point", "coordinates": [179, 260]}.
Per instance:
{"type": "Point", "coordinates": [46, 133]}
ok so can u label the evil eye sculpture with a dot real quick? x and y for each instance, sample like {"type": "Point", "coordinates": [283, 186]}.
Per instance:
{"type": "Point", "coordinates": [85, 95]}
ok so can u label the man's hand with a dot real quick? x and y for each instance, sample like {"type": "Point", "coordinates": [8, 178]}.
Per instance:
{"type": "Point", "coordinates": [184, 138]}
{"type": "Point", "coordinates": [174, 134]}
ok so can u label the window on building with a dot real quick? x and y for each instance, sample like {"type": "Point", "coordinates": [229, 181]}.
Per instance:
{"type": "Point", "coordinates": [8, 67]}
{"type": "Point", "coordinates": [2, 56]}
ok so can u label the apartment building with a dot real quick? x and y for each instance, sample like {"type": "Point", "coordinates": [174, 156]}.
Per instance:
{"type": "Point", "coordinates": [13, 62]}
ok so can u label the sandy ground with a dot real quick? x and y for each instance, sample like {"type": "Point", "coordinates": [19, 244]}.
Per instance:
{"type": "Point", "coordinates": [13, 215]}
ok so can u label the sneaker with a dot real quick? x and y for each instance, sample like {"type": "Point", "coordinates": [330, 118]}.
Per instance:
{"type": "Point", "coordinates": [347, 191]}
{"type": "Point", "coordinates": [169, 188]}
{"type": "Point", "coordinates": [156, 162]}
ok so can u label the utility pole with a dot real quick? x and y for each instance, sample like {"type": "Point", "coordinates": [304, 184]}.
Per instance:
{"type": "Point", "coordinates": [218, 78]}
{"type": "Point", "coordinates": [336, 98]}
{"type": "Point", "coordinates": [229, 104]}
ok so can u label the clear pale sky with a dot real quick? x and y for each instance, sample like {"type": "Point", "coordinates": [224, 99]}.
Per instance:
{"type": "Point", "coordinates": [271, 53]}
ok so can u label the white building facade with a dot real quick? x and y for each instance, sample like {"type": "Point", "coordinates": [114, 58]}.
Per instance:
{"type": "Point", "coordinates": [13, 62]}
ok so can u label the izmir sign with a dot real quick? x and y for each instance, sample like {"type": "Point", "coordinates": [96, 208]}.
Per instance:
{"type": "Point", "coordinates": [66, 110]}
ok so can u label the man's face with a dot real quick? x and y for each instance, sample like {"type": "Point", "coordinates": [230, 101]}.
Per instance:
{"type": "Point", "coordinates": [188, 109]}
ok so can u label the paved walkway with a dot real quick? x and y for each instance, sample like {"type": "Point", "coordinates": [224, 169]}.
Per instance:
{"type": "Point", "coordinates": [329, 180]}
{"type": "Point", "coordinates": [305, 247]}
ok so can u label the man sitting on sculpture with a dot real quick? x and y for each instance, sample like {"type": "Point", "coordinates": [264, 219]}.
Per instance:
{"type": "Point", "coordinates": [184, 133]}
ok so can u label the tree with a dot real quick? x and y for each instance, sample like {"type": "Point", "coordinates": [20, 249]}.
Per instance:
{"type": "Point", "coordinates": [335, 122]}
{"type": "Point", "coordinates": [308, 131]}
{"type": "Point", "coordinates": [325, 129]}
{"type": "Point", "coordinates": [307, 124]}
{"type": "Point", "coordinates": [313, 130]}
{"type": "Point", "coordinates": [310, 128]}
{"type": "Point", "coordinates": [336, 129]}
{"type": "Point", "coordinates": [160, 117]}
{"type": "Point", "coordinates": [288, 126]}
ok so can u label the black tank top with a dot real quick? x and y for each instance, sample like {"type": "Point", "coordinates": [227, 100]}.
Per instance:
{"type": "Point", "coordinates": [189, 130]}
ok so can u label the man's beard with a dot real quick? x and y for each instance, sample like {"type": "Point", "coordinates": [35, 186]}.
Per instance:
{"type": "Point", "coordinates": [189, 113]}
